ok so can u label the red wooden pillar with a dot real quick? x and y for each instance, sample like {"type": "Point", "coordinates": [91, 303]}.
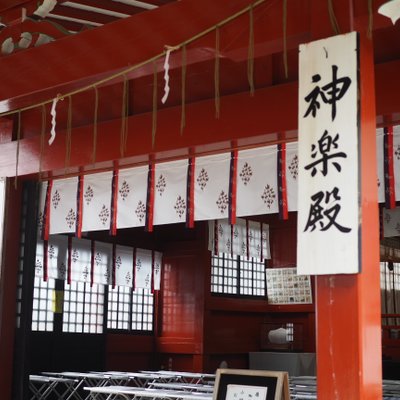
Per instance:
{"type": "Point", "coordinates": [8, 287]}
{"type": "Point", "coordinates": [348, 326]}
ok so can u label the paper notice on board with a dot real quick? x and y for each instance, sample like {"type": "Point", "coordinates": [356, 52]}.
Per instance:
{"type": "Point", "coordinates": [246, 392]}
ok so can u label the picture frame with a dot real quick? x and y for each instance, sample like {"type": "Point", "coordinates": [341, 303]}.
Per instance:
{"type": "Point", "coordinates": [245, 384]}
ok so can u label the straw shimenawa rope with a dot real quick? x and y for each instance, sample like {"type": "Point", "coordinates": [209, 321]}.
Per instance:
{"type": "Point", "coordinates": [17, 152]}
{"type": "Point", "coordinates": [284, 24]}
{"type": "Point", "coordinates": [250, 55]}
{"type": "Point", "coordinates": [144, 62]}
{"type": "Point", "coordinates": [95, 118]}
{"type": "Point", "coordinates": [216, 74]}
{"type": "Point", "coordinates": [154, 119]}
{"type": "Point", "coordinates": [124, 119]}
{"type": "Point", "coordinates": [370, 19]}
{"type": "Point", "coordinates": [183, 89]}
{"type": "Point", "coordinates": [68, 138]}
{"type": "Point", "coordinates": [42, 139]}
{"type": "Point", "coordinates": [131, 68]}
{"type": "Point", "coordinates": [332, 17]}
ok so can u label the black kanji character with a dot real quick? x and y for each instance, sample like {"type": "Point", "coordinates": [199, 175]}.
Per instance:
{"type": "Point", "coordinates": [325, 214]}
{"type": "Point", "coordinates": [330, 93]}
{"type": "Point", "coordinates": [326, 144]}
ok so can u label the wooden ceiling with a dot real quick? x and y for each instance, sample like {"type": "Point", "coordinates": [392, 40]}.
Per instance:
{"type": "Point", "coordinates": [77, 15]}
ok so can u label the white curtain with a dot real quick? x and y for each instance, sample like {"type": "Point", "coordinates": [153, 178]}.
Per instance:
{"type": "Point", "coordinates": [257, 184]}
{"type": "Point", "coordinates": [170, 192]}
{"type": "Point", "coordinates": [250, 238]}
{"type": "Point", "coordinates": [143, 269]}
{"type": "Point", "coordinates": [380, 165]}
{"type": "Point", "coordinates": [96, 210]}
{"type": "Point", "coordinates": [292, 172]}
{"type": "Point", "coordinates": [132, 197]}
{"type": "Point", "coordinates": [211, 189]}
{"type": "Point", "coordinates": [123, 266]}
{"type": "Point", "coordinates": [102, 259]}
{"type": "Point", "coordinates": [81, 258]}
{"type": "Point", "coordinates": [63, 202]}
{"type": "Point", "coordinates": [396, 160]}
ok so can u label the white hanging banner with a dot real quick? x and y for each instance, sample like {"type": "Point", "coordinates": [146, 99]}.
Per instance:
{"type": "Point", "coordinates": [251, 238]}
{"type": "Point", "coordinates": [39, 260]}
{"type": "Point", "coordinates": [265, 242]}
{"type": "Point", "coordinates": [257, 185]}
{"type": "Point", "coordinates": [223, 233]}
{"type": "Point", "coordinates": [396, 160]}
{"type": "Point", "coordinates": [143, 269]}
{"type": "Point", "coordinates": [157, 270]}
{"type": "Point", "coordinates": [239, 235]}
{"type": "Point", "coordinates": [41, 207]}
{"type": "Point", "coordinates": [57, 257]}
{"type": "Point", "coordinates": [132, 194]}
{"type": "Point", "coordinates": [96, 209]}
{"type": "Point", "coordinates": [63, 202]}
{"type": "Point", "coordinates": [254, 239]}
{"type": "Point", "coordinates": [170, 192]}
{"type": "Point", "coordinates": [211, 189]}
{"type": "Point", "coordinates": [380, 165]}
{"type": "Point", "coordinates": [292, 174]}
{"type": "Point", "coordinates": [123, 266]}
{"type": "Point", "coordinates": [329, 181]}
{"type": "Point", "coordinates": [81, 257]}
{"type": "Point", "coordinates": [391, 222]}
{"type": "Point", "coordinates": [102, 263]}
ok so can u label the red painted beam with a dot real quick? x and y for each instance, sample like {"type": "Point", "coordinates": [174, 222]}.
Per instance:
{"type": "Point", "coordinates": [252, 121]}
{"type": "Point", "coordinates": [123, 43]}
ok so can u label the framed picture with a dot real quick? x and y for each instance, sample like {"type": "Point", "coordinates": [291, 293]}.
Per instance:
{"type": "Point", "coordinates": [244, 384]}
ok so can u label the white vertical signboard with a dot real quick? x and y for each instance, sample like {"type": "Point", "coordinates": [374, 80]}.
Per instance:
{"type": "Point", "coordinates": [328, 201]}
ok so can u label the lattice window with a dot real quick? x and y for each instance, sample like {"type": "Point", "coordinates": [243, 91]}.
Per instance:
{"type": "Point", "coordinates": [390, 291]}
{"type": "Point", "coordinates": [237, 275]}
{"type": "Point", "coordinates": [130, 310]}
{"type": "Point", "coordinates": [42, 308]}
{"type": "Point", "coordinates": [83, 308]}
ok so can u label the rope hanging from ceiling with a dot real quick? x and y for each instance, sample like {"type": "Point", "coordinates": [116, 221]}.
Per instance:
{"type": "Point", "coordinates": [125, 93]}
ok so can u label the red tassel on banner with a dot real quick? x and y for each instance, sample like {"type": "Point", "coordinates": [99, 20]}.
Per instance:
{"type": "Point", "coordinates": [152, 271]}
{"type": "Point", "coordinates": [79, 207]}
{"type": "Point", "coordinates": [232, 241]}
{"type": "Point", "coordinates": [247, 239]}
{"type": "Point", "coordinates": [390, 195]}
{"type": "Point", "coordinates": [150, 199]}
{"type": "Point", "coordinates": [282, 186]}
{"type": "Point", "coordinates": [69, 264]}
{"type": "Point", "coordinates": [190, 193]}
{"type": "Point", "coordinates": [134, 270]}
{"type": "Point", "coordinates": [46, 211]}
{"type": "Point", "coordinates": [233, 187]}
{"type": "Point", "coordinates": [92, 263]}
{"type": "Point", "coordinates": [216, 237]}
{"type": "Point", "coordinates": [114, 256]}
{"type": "Point", "coordinates": [45, 260]}
{"type": "Point", "coordinates": [114, 203]}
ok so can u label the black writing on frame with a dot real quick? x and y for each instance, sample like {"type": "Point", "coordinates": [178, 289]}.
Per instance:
{"type": "Point", "coordinates": [330, 93]}
{"type": "Point", "coordinates": [326, 150]}
{"type": "Point", "coordinates": [324, 211]}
